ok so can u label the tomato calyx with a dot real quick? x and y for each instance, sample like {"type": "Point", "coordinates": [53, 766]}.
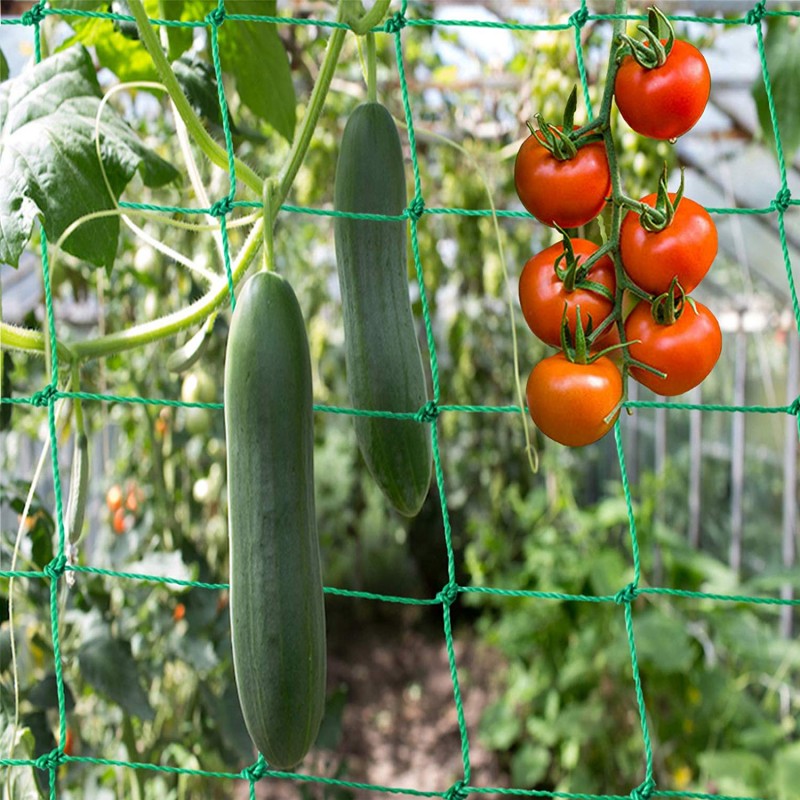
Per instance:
{"type": "Point", "coordinates": [563, 141]}
{"type": "Point", "coordinates": [668, 306]}
{"type": "Point", "coordinates": [580, 351]}
{"type": "Point", "coordinates": [659, 216]}
{"type": "Point", "coordinates": [573, 274]}
{"type": "Point", "coordinates": [654, 50]}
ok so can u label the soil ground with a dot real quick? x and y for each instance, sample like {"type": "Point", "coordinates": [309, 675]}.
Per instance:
{"type": "Point", "coordinates": [399, 725]}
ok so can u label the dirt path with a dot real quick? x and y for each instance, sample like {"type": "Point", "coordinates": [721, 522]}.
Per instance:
{"type": "Point", "coordinates": [399, 726]}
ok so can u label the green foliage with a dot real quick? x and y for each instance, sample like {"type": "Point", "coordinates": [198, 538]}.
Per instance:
{"type": "Point", "coordinates": [782, 52]}
{"type": "Point", "coordinates": [58, 100]}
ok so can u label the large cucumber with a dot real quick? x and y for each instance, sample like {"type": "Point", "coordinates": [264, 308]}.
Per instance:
{"type": "Point", "coordinates": [383, 361]}
{"type": "Point", "coordinates": [276, 598]}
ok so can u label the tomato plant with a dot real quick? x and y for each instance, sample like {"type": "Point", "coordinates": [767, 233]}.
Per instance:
{"type": "Point", "coordinates": [566, 192]}
{"type": "Point", "coordinates": [684, 249]}
{"type": "Point", "coordinates": [664, 101]}
{"type": "Point", "coordinates": [574, 404]}
{"type": "Point", "coordinates": [553, 278]}
{"type": "Point", "coordinates": [686, 350]}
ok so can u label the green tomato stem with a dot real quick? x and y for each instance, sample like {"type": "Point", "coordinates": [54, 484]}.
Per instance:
{"type": "Point", "coordinates": [216, 154]}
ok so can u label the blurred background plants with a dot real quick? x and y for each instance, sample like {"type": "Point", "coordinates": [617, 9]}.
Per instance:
{"type": "Point", "coordinates": [147, 664]}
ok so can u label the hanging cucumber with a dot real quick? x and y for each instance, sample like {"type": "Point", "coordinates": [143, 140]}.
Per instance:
{"type": "Point", "coordinates": [276, 597]}
{"type": "Point", "coordinates": [384, 364]}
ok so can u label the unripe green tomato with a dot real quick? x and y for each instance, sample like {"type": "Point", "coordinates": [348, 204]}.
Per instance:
{"type": "Point", "coordinates": [198, 387]}
{"type": "Point", "coordinates": [147, 260]}
{"type": "Point", "coordinates": [197, 421]}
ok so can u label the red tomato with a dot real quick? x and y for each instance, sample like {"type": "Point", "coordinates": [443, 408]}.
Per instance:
{"type": "Point", "coordinates": [686, 351]}
{"type": "Point", "coordinates": [114, 498]}
{"type": "Point", "coordinates": [685, 249]}
{"type": "Point", "coordinates": [664, 102]}
{"type": "Point", "coordinates": [569, 402]}
{"type": "Point", "coordinates": [568, 193]}
{"type": "Point", "coordinates": [542, 294]}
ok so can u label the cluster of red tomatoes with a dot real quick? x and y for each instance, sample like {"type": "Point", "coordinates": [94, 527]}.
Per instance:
{"type": "Point", "coordinates": [620, 308]}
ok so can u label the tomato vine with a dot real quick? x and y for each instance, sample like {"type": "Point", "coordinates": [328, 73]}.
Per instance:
{"type": "Point", "coordinates": [661, 246]}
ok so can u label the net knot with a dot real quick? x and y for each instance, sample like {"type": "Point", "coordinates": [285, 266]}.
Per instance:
{"type": "Point", "coordinates": [644, 790]}
{"type": "Point", "coordinates": [457, 791]}
{"type": "Point", "coordinates": [448, 596]}
{"type": "Point", "coordinates": [221, 208]}
{"type": "Point", "coordinates": [756, 13]}
{"type": "Point", "coordinates": [428, 413]}
{"type": "Point", "coordinates": [255, 772]}
{"type": "Point", "coordinates": [34, 15]}
{"type": "Point", "coordinates": [416, 209]}
{"type": "Point", "coordinates": [395, 24]}
{"type": "Point", "coordinates": [49, 761]}
{"type": "Point", "coordinates": [794, 408]}
{"type": "Point", "coordinates": [782, 200]}
{"type": "Point", "coordinates": [56, 568]}
{"type": "Point", "coordinates": [216, 17]}
{"type": "Point", "coordinates": [579, 18]}
{"type": "Point", "coordinates": [625, 596]}
{"type": "Point", "coordinates": [44, 397]}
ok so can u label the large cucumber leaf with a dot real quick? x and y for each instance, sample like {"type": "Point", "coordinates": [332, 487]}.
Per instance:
{"type": "Point", "coordinates": [48, 163]}
{"type": "Point", "coordinates": [782, 51]}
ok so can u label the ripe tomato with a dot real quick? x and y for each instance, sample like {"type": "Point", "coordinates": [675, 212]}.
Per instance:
{"type": "Point", "coordinates": [686, 350]}
{"type": "Point", "coordinates": [542, 294]}
{"type": "Point", "coordinates": [685, 249]}
{"type": "Point", "coordinates": [114, 498]}
{"type": "Point", "coordinates": [666, 101]}
{"type": "Point", "coordinates": [570, 402]}
{"type": "Point", "coordinates": [568, 193]}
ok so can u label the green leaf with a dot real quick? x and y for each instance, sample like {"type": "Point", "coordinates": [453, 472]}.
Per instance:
{"type": "Point", "coordinates": [49, 168]}
{"type": "Point", "coordinates": [662, 641]}
{"type": "Point", "coordinates": [782, 51]}
{"type": "Point", "coordinates": [17, 742]}
{"type": "Point", "coordinates": [787, 771]}
{"type": "Point", "coordinates": [3, 67]}
{"type": "Point", "coordinates": [108, 665]}
{"type": "Point", "coordinates": [735, 772]}
{"type": "Point", "coordinates": [199, 84]}
{"type": "Point", "coordinates": [44, 694]}
{"type": "Point", "coordinates": [500, 726]}
{"type": "Point", "coordinates": [529, 765]}
{"type": "Point", "coordinates": [253, 53]}
{"type": "Point", "coordinates": [179, 39]}
{"type": "Point", "coordinates": [112, 41]}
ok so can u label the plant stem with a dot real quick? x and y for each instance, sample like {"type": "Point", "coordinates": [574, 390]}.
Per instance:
{"type": "Point", "coordinates": [172, 323]}
{"type": "Point", "coordinates": [216, 154]}
{"type": "Point", "coordinates": [372, 69]}
{"type": "Point", "coordinates": [302, 140]}
{"type": "Point", "coordinates": [13, 337]}
{"type": "Point", "coordinates": [370, 19]}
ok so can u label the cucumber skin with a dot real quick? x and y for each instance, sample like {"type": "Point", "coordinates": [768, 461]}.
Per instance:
{"type": "Point", "coordinates": [382, 355]}
{"type": "Point", "coordinates": [276, 595]}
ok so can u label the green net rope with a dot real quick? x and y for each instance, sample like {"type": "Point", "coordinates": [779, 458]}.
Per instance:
{"type": "Point", "coordinates": [47, 397]}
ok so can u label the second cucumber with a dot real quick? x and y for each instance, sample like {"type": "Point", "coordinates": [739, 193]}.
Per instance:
{"type": "Point", "coordinates": [384, 364]}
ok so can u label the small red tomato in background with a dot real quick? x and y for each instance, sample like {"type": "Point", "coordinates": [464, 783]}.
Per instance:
{"type": "Point", "coordinates": [570, 402]}
{"type": "Point", "coordinates": [568, 193]}
{"type": "Point", "coordinates": [542, 294]}
{"type": "Point", "coordinates": [179, 612]}
{"type": "Point", "coordinates": [114, 498]}
{"type": "Point", "coordinates": [685, 350]}
{"type": "Point", "coordinates": [685, 249]}
{"type": "Point", "coordinates": [664, 102]}
{"type": "Point", "coordinates": [118, 522]}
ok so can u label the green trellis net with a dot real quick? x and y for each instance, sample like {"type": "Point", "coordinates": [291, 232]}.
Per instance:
{"type": "Point", "coordinates": [398, 26]}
